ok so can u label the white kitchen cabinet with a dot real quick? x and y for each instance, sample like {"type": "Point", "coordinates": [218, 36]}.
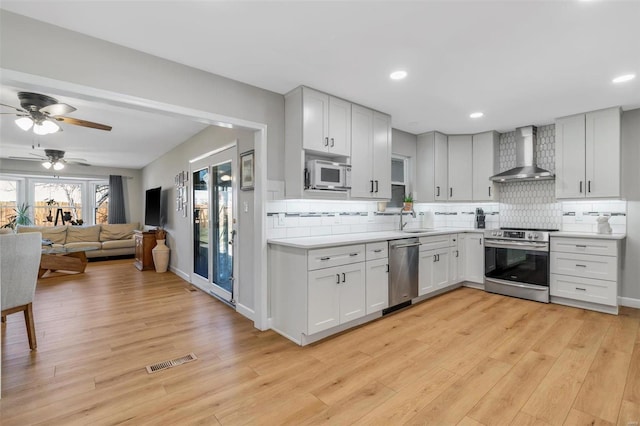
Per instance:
{"type": "Point", "coordinates": [459, 174]}
{"type": "Point", "coordinates": [588, 155]}
{"type": "Point", "coordinates": [370, 154]}
{"type": "Point", "coordinates": [426, 265]}
{"type": "Point", "coordinates": [377, 285]}
{"type": "Point", "coordinates": [434, 263]}
{"type": "Point", "coordinates": [585, 273]}
{"type": "Point", "coordinates": [485, 165]}
{"type": "Point", "coordinates": [326, 123]}
{"type": "Point", "coordinates": [336, 296]}
{"type": "Point", "coordinates": [431, 167]}
{"type": "Point", "coordinates": [454, 259]}
{"type": "Point", "coordinates": [474, 258]}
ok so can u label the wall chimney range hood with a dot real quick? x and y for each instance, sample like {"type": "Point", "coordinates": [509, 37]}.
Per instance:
{"type": "Point", "coordinates": [526, 168]}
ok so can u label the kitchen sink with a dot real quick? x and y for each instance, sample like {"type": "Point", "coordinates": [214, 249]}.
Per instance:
{"type": "Point", "coordinates": [418, 231]}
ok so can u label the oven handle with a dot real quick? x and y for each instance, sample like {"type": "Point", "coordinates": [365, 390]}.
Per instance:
{"type": "Point", "coordinates": [519, 285]}
{"type": "Point", "coordinates": [516, 245]}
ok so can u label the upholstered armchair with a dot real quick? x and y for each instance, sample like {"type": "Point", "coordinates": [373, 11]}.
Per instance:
{"type": "Point", "coordinates": [19, 264]}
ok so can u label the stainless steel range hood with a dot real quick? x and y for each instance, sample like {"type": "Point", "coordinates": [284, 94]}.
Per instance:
{"type": "Point", "coordinates": [526, 168]}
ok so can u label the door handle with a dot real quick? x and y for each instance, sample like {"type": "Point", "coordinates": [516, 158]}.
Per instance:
{"type": "Point", "coordinates": [376, 186]}
{"type": "Point", "coordinates": [489, 191]}
{"type": "Point", "coordinates": [387, 267]}
{"type": "Point", "coordinates": [353, 254]}
{"type": "Point", "coordinates": [344, 277]}
{"type": "Point", "coordinates": [437, 191]}
{"type": "Point", "coordinates": [332, 142]}
{"type": "Point", "coordinates": [326, 141]}
{"type": "Point", "coordinates": [589, 186]}
{"type": "Point", "coordinates": [581, 266]}
{"type": "Point", "coordinates": [438, 257]}
{"type": "Point", "coordinates": [434, 258]}
{"type": "Point", "coordinates": [581, 187]}
{"type": "Point", "coordinates": [581, 289]}
{"type": "Point", "coordinates": [371, 186]}
{"type": "Point", "coordinates": [377, 251]}
{"type": "Point", "coordinates": [457, 253]}
{"type": "Point", "coordinates": [325, 258]}
{"type": "Point", "coordinates": [338, 277]}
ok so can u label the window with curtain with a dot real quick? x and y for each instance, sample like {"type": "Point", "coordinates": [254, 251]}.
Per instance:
{"type": "Point", "coordinates": [101, 203]}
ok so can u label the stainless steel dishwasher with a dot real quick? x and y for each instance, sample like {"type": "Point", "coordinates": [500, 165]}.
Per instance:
{"type": "Point", "coordinates": [403, 273]}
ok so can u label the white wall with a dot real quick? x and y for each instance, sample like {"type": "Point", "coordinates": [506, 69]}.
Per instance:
{"type": "Point", "coordinates": [162, 172]}
{"type": "Point", "coordinates": [406, 144]}
{"type": "Point", "coordinates": [631, 185]}
{"type": "Point", "coordinates": [90, 62]}
{"type": "Point", "coordinates": [132, 186]}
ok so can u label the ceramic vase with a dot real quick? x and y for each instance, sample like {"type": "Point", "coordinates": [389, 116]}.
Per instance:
{"type": "Point", "coordinates": [161, 256]}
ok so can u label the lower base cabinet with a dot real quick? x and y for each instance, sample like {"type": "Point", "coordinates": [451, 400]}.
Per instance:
{"type": "Point", "coordinates": [377, 285]}
{"type": "Point", "coordinates": [474, 258]}
{"type": "Point", "coordinates": [336, 296]}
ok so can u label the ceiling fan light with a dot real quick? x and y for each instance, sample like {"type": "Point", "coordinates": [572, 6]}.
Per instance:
{"type": "Point", "coordinates": [24, 123]}
{"type": "Point", "coordinates": [47, 164]}
{"type": "Point", "coordinates": [50, 126]}
{"type": "Point", "coordinates": [58, 165]}
{"type": "Point", "coordinates": [39, 129]}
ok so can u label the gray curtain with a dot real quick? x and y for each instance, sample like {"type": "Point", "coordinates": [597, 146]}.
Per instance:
{"type": "Point", "coordinates": [116, 200]}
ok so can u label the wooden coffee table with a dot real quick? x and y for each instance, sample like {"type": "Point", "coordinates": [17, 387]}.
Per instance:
{"type": "Point", "coordinates": [55, 259]}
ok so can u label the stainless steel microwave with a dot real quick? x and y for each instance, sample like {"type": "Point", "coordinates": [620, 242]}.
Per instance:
{"type": "Point", "coordinates": [327, 175]}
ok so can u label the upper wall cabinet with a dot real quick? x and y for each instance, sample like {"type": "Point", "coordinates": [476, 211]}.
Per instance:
{"type": "Point", "coordinates": [485, 165]}
{"type": "Point", "coordinates": [588, 155]}
{"type": "Point", "coordinates": [326, 123]}
{"type": "Point", "coordinates": [370, 154]}
{"type": "Point", "coordinates": [431, 167]}
{"type": "Point", "coordinates": [460, 175]}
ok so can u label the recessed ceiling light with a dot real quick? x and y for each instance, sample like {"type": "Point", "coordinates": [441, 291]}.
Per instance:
{"type": "Point", "coordinates": [398, 75]}
{"type": "Point", "coordinates": [476, 114]}
{"type": "Point", "coordinates": [624, 78]}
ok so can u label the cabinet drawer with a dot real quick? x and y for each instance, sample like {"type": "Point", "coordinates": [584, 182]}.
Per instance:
{"type": "Point", "coordinates": [585, 246]}
{"type": "Point", "coordinates": [335, 256]}
{"type": "Point", "coordinates": [585, 289]}
{"type": "Point", "coordinates": [585, 265]}
{"type": "Point", "coordinates": [377, 250]}
{"type": "Point", "coordinates": [435, 242]}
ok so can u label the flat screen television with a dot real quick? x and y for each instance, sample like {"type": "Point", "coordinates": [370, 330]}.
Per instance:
{"type": "Point", "coordinates": [152, 207]}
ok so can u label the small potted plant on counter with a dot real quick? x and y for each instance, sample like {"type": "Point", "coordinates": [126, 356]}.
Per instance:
{"type": "Point", "coordinates": [408, 203]}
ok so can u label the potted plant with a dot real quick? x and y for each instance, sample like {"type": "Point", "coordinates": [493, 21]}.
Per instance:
{"type": "Point", "coordinates": [50, 202]}
{"type": "Point", "coordinates": [21, 217]}
{"type": "Point", "coordinates": [408, 203]}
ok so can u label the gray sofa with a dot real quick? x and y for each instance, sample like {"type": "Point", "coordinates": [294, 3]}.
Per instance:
{"type": "Point", "coordinates": [108, 240]}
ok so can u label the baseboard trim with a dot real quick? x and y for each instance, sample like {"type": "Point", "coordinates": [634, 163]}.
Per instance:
{"type": "Point", "coordinates": [245, 311]}
{"type": "Point", "coordinates": [629, 302]}
{"type": "Point", "coordinates": [180, 273]}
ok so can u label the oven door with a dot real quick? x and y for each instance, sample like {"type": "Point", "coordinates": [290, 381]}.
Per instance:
{"type": "Point", "coordinates": [519, 269]}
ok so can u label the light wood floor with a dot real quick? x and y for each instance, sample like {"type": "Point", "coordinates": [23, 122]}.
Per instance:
{"type": "Point", "coordinates": [466, 358]}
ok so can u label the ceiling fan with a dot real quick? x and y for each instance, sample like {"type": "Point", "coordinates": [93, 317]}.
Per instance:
{"type": "Point", "coordinates": [53, 158]}
{"type": "Point", "coordinates": [42, 112]}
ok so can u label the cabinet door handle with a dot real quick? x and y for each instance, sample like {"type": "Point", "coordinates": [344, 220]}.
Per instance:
{"type": "Point", "coordinates": [437, 258]}
{"type": "Point", "coordinates": [332, 142]}
{"type": "Point", "coordinates": [376, 186]}
{"type": "Point", "coordinates": [589, 186]}
{"type": "Point", "coordinates": [434, 258]}
{"type": "Point", "coordinates": [344, 277]}
{"type": "Point", "coordinates": [457, 253]}
{"type": "Point", "coordinates": [326, 141]}
{"type": "Point", "coordinates": [581, 266]}
{"type": "Point", "coordinates": [353, 254]}
{"type": "Point", "coordinates": [325, 258]}
{"type": "Point", "coordinates": [377, 250]}
{"type": "Point", "coordinates": [387, 267]}
{"type": "Point", "coordinates": [581, 187]}
{"type": "Point", "coordinates": [581, 246]}
{"type": "Point", "coordinates": [371, 186]}
{"type": "Point", "coordinates": [450, 192]}
{"type": "Point", "coordinates": [480, 241]}
{"type": "Point", "coordinates": [437, 191]}
{"type": "Point", "coordinates": [338, 278]}
{"type": "Point", "coordinates": [581, 289]}
{"type": "Point", "coordinates": [489, 191]}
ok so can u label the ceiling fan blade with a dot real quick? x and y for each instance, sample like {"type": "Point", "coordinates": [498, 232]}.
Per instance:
{"type": "Point", "coordinates": [57, 109]}
{"type": "Point", "coordinates": [41, 157]}
{"type": "Point", "coordinates": [79, 163]}
{"type": "Point", "coordinates": [83, 123]}
{"type": "Point", "coordinates": [26, 158]}
{"type": "Point", "coordinates": [16, 108]}
{"type": "Point", "coordinates": [77, 160]}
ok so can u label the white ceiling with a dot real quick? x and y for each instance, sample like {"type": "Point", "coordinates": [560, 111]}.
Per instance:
{"type": "Point", "coordinates": [520, 62]}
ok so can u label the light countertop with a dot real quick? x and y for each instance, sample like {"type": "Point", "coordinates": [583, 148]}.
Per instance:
{"type": "Point", "coordinates": [361, 238]}
{"type": "Point", "coordinates": [588, 235]}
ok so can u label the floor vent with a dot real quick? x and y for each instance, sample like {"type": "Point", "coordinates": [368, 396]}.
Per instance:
{"type": "Point", "coordinates": [171, 363]}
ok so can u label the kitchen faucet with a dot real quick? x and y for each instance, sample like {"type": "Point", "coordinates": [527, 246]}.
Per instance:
{"type": "Point", "coordinates": [402, 225]}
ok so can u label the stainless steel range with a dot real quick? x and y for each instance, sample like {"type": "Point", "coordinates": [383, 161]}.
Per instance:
{"type": "Point", "coordinates": [517, 263]}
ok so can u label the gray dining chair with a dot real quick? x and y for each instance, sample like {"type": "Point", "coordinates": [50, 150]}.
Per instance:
{"type": "Point", "coordinates": [19, 264]}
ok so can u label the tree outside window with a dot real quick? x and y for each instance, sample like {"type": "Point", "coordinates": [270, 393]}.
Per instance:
{"type": "Point", "coordinates": [49, 197]}
{"type": "Point", "coordinates": [8, 200]}
{"type": "Point", "coordinates": [101, 203]}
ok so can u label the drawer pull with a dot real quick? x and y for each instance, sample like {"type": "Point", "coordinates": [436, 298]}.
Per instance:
{"type": "Point", "coordinates": [325, 258]}
{"type": "Point", "coordinates": [353, 254]}
{"type": "Point", "coordinates": [581, 289]}
{"type": "Point", "coordinates": [580, 246]}
{"type": "Point", "coordinates": [581, 266]}
{"type": "Point", "coordinates": [377, 250]}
